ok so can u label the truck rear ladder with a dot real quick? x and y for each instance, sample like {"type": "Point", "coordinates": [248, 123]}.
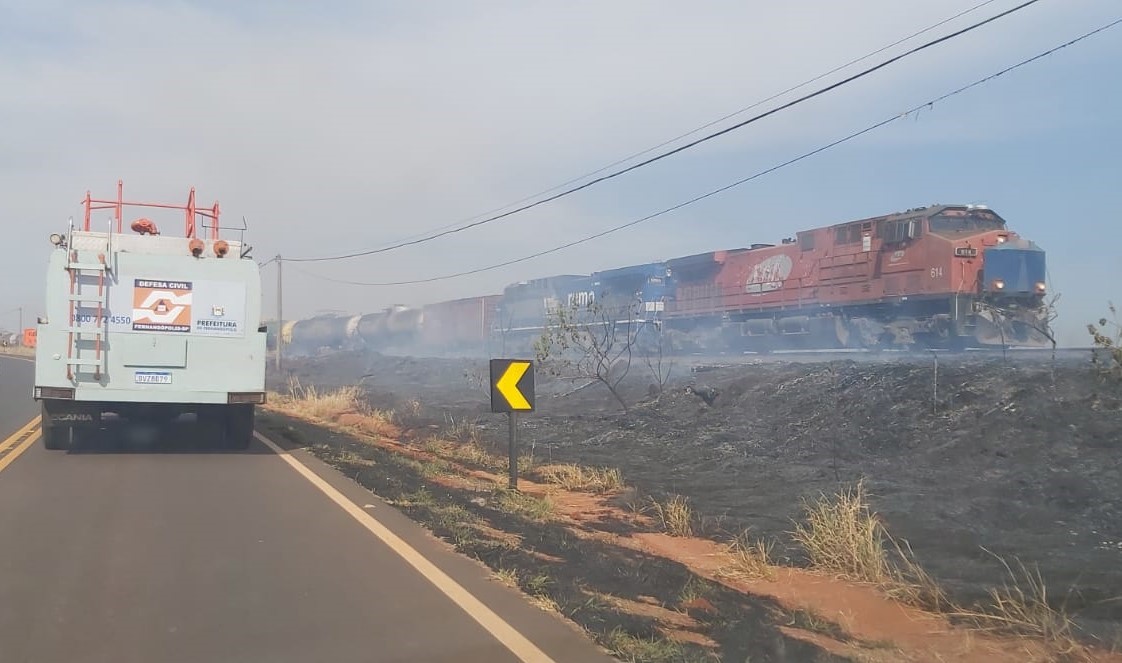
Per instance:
{"type": "Point", "coordinates": [78, 333]}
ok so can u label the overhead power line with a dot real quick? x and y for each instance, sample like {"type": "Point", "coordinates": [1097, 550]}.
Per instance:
{"type": "Point", "coordinates": [727, 116]}
{"type": "Point", "coordinates": [682, 148]}
{"type": "Point", "coordinates": [737, 183]}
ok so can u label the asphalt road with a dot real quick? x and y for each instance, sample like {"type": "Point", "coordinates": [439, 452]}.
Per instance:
{"type": "Point", "coordinates": [135, 550]}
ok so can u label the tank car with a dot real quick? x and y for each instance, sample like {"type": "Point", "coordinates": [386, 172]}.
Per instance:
{"type": "Point", "coordinates": [395, 326]}
{"type": "Point", "coordinates": [328, 331]}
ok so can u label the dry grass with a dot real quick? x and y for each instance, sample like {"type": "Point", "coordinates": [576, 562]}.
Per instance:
{"type": "Point", "coordinates": [326, 404]}
{"type": "Point", "coordinates": [813, 622]}
{"type": "Point", "coordinates": [473, 453]}
{"type": "Point", "coordinates": [331, 405]}
{"type": "Point", "coordinates": [543, 602]}
{"type": "Point", "coordinates": [419, 497]}
{"type": "Point", "coordinates": [694, 590]}
{"type": "Point", "coordinates": [748, 559]}
{"type": "Point", "coordinates": [676, 515]}
{"type": "Point", "coordinates": [436, 446]}
{"type": "Point", "coordinates": [513, 501]}
{"type": "Point", "coordinates": [18, 351]}
{"type": "Point", "coordinates": [580, 478]}
{"type": "Point", "coordinates": [632, 648]}
{"type": "Point", "coordinates": [841, 535]}
{"type": "Point", "coordinates": [462, 430]}
{"type": "Point", "coordinates": [911, 584]}
{"type": "Point", "coordinates": [632, 500]}
{"type": "Point", "coordinates": [508, 577]}
{"type": "Point", "coordinates": [1021, 606]}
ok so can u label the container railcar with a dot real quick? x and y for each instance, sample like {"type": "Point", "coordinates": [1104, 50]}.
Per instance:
{"type": "Point", "coordinates": [459, 325]}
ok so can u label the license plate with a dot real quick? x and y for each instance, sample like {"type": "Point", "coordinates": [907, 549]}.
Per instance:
{"type": "Point", "coordinates": [152, 377]}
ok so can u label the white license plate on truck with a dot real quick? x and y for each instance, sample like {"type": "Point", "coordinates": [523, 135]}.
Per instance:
{"type": "Point", "coordinates": [152, 377]}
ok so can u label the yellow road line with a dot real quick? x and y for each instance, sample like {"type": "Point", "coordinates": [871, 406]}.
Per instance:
{"type": "Point", "coordinates": [517, 643]}
{"type": "Point", "coordinates": [14, 437]}
{"type": "Point", "coordinates": [18, 442]}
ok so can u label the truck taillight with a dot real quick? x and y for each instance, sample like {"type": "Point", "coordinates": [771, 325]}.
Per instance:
{"type": "Point", "coordinates": [243, 397]}
{"type": "Point", "coordinates": [54, 392]}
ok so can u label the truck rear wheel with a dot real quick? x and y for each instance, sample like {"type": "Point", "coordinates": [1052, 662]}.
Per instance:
{"type": "Point", "coordinates": [239, 426]}
{"type": "Point", "coordinates": [55, 438]}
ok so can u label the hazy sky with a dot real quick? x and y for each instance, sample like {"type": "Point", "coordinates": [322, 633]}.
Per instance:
{"type": "Point", "coordinates": [339, 125]}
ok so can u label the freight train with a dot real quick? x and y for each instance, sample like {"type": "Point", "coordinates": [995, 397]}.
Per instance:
{"type": "Point", "coordinates": [942, 276]}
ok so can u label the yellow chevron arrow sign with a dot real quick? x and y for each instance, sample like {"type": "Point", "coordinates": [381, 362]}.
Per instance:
{"type": "Point", "coordinates": [512, 385]}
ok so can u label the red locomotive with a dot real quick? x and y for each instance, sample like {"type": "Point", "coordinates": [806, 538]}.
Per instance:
{"type": "Point", "coordinates": [940, 276]}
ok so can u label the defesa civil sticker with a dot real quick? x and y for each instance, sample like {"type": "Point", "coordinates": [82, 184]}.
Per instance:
{"type": "Point", "coordinates": [152, 377]}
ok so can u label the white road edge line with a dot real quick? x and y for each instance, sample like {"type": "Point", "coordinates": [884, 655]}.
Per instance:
{"type": "Point", "coordinates": [502, 631]}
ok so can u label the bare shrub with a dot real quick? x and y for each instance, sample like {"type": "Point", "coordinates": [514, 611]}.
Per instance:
{"type": "Point", "coordinates": [661, 369]}
{"type": "Point", "coordinates": [1107, 352]}
{"type": "Point", "coordinates": [409, 414]}
{"type": "Point", "coordinates": [590, 341]}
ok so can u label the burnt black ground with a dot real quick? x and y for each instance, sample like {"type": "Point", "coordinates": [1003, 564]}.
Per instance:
{"type": "Point", "coordinates": [1017, 456]}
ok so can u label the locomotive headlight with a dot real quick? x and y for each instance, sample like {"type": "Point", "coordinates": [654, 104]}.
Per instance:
{"type": "Point", "coordinates": [1041, 286]}
{"type": "Point", "coordinates": [56, 239]}
{"type": "Point", "coordinates": [999, 284]}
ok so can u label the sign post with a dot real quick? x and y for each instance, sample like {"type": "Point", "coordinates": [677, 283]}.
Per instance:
{"type": "Point", "coordinates": [512, 449]}
{"type": "Point", "coordinates": [512, 391]}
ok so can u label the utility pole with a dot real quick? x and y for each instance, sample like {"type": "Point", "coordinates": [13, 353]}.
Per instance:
{"type": "Point", "coordinates": [280, 311]}
{"type": "Point", "coordinates": [21, 320]}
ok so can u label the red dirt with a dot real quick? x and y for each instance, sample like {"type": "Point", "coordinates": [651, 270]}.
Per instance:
{"type": "Point", "coordinates": [861, 611]}
{"type": "Point", "coordinates": [877, 627]}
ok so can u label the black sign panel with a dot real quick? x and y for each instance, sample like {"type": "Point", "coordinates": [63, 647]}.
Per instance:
{"type": "Point", "coordinates": [512, 385]}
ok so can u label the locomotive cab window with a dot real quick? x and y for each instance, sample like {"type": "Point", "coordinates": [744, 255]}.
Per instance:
{"type": "Point", "coordinates": [954, 222]}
